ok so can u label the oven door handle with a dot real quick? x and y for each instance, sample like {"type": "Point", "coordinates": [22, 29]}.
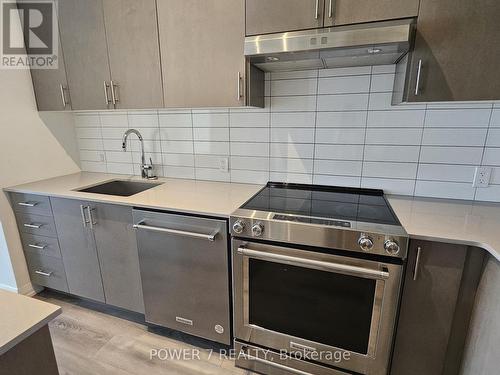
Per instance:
{"type": "Point", "coordinates": [275, 365]}
{"type": "Point", "coordinates": [337, 267]}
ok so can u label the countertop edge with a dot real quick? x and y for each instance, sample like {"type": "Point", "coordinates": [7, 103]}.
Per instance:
{"type": "Point", "coordinates": [27, 333]}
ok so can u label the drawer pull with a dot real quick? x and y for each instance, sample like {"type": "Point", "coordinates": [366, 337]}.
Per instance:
{"type": "Point", "coordinates": [31, 225]}
{"type": "Point", "coordinates": [28, 204]}
{"type": "Point", "coordinates": [36, 246]}
{"type": "Point", "coordinates": [47, 274]}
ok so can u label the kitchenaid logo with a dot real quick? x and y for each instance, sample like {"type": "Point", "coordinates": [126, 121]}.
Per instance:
{"type": "Point", "coordinates": [29, 34]}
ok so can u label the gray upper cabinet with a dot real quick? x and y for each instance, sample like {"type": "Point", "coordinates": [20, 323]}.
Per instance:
{"type": "Point", "coordinates": [84, 43]}
{"type": "Point", "coordinates": [118, 257]}
{"type": "Point", "coordinates": [456, 54]}
{"type": "Point", "coordinates": [273, 16]}
{"type": "Point", "coordinates": [78, 250]}
{"type": "Point", "coordinates": [345, 12]}
{"type": "Point", "coordinates": [51, 86]}
{"type": "Point", "coordinates": [132, 36]}
{"type": "Point", "coordinates": [202, 55]}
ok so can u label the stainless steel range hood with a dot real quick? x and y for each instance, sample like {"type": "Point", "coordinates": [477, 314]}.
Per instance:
{"type": "Point", "coordinates": [377, 43]}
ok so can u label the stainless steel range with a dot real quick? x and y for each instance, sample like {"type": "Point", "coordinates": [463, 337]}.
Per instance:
{"type": "Point", "coordinates": [317, 274]}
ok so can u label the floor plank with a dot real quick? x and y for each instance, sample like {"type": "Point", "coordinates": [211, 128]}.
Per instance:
{"type": "Point", "coordinates": [91, 339]}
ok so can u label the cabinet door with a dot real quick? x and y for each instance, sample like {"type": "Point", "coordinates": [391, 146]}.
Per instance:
{"type": "Point", "coordinates": [202, 56]}
{"type": "Point", "coordinates": [459, 59]}
{"type": "Point", "coordinates": [84, 43]}
{"type": "Point", "coordinates": [78, 249]}
{"type": "Point", "coordinates": [274, 16]}
{"type": "Point", "coordinates": [345, 12]}
{"type": "Point", "coordinates": [134, 56]}
{"type": "Point", "coordinates": [428, 304]}
{"type": "Point", "coordinates": [118, 257]}
{"type": "Point", "coordinates": [51, 87]}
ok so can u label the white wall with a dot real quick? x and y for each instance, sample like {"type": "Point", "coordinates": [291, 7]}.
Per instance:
{"type": "Point", "coordinates": [28, 152]}
{"type": "Point", "coordinates": [332, 127]}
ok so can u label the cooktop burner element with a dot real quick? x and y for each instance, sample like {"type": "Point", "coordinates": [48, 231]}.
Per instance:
{"type": "Point", "coordinates": [338, 218]}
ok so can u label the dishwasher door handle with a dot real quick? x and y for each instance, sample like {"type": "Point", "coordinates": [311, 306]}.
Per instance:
{"type": "Point", "coordinates": [209, 237]}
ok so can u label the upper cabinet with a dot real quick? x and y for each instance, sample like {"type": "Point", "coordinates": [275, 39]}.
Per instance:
{"type": "Point", "coordinates": [111, 53]}
{"type": "Point", "coordinates": [274, 16]}
{"type": "Point", "coordinates": [345, 12]}
{"type": "Point", "coordinates": [203, 62]}
{"type": "Point", "coordinates": [456, 54]}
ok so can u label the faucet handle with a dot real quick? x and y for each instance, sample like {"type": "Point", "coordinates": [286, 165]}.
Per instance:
{"type": "Point", "coordinates": [148, 170]}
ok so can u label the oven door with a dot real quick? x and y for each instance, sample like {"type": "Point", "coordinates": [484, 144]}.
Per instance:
{"type": "Point", "coordinates": [318, 305]}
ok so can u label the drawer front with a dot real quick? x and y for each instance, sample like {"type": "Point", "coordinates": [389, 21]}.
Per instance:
{"type": "Point", "coordinates": [30, 203]}
{"type": "Point", "coordinates": [41, 245]}
{"type": "Point", "coordinates": [36, 224]}
{"type": "Point", "coordinates": [47, 271]}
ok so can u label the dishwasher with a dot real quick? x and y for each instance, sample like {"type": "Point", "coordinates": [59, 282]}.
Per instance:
{"type": "Point", "coordinates": [185, 273]}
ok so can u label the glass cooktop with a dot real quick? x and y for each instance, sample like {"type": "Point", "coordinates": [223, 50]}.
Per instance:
{"type": "Point", "coordinates": [323, 204]}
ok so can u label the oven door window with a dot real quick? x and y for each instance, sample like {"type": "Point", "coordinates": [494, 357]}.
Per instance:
{"type": "Point", "coordinates": [325, 307]}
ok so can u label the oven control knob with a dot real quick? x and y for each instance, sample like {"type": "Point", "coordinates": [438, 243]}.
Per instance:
{"type": "Point", "coordinates": [391, 247]}
{"type": "Point", "coordinates": [238, 227]}
{"type": "Point", "coordinates": [365, 243]}
{"type": "Point", "coordinates": [257, 230]}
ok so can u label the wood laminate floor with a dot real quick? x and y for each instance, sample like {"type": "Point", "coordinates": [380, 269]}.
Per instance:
{"type": "Point", "coordinates": [90, 339]}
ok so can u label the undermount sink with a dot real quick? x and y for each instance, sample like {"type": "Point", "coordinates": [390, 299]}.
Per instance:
{"type": "Point", "coordinates": [121, 188]}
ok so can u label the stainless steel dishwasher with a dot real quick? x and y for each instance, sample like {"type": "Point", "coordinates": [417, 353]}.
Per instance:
{"type": "Point", "coordinates": [185, 273]}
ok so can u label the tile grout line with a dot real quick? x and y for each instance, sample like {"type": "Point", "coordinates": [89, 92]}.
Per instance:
{"type": "Point", "coordinates": [485, 143]}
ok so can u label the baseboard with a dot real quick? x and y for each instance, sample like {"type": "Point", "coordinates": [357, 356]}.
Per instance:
{"type": "Point", "coordinates": [8, 288]}
{"type": "Point", "coordinates": [27, 289]}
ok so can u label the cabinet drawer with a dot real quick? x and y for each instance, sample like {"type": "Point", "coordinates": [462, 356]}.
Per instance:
{"type": "Point", "coordinates": [30, 203]}
{"type": "Point", "coordinates": [41, 245]}
{"type": "Point", "coordinates": [36, 224]}
{"type": "Point", "coordinates": [47, 271]}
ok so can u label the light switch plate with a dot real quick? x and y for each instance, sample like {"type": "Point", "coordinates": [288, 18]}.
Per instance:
{"type": "Point", "coordinates": [482, 177]}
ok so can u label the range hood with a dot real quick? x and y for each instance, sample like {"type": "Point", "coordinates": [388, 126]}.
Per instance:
{"type": "Point", "coordinates": [377, 43]}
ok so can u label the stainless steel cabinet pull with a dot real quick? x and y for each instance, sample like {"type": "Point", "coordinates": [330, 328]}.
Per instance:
{"type": "Point", "coordinates": [330, 9]}
{"type": "Point", "coordinates": [91, 220]}
{"type": "Point", "coordinates": [114, 97]}
{"type": "Point", "coordinates": [316, 10]}
{"type": "Point", "coordinates": [417, 264]}
{"type": "Point", "coordinates": [419, 74]}
{"type": "Point", "coordinates": [63, 97]}
{"type": "Point", "coordinates": [336, 267]}
{"type": "Point", "coordinates": [276, 365]}
{"type": "Point", "coordinates": [48, 274]}
{"type": "Point", "coordinates": [36, 246]}
{"type": "Point", "coordinates": [84, 218]}
{"type": "Point", "coordinates": [209, 237]}
{"type": "Point", "coordinates": [106, 85]}
{"type": "Point", "coordinates": [27, 204]}
{"type": "Point", "coordinates": [31, 225]}
{"type": "Point", "coordinates": [239, 96]}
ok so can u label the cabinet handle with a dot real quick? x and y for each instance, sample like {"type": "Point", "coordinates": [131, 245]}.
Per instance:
{"type": "Point", "coordinates": [239, 96]}
{"type": "Point", "coordinates": [114, 96]}
{"type": "Point", "coordinates": [419, 74]}
{"type": "Point", "coordinates": [34, 226]}
{"type": "Point", "coordinates": [82, 212]}
{"type": "Point", "coordinates": [143, 226]}
{"type": "Point", "coordinates": [316, 11]}
{"type": "Point", "coordinates": [27, 204]}
{"type": "Point", "coordinates": [63, 97]}
{"type": "Point", "coordinates": [47, 274]}
{"type": "Point", "coordinates": [91, 221]}
{"type": "Point", "coordinates": [106, 85]}
{"type": "Point", "coordinates": [417, 264]}
{"type": "Point", "coordinates": [36, 246]}
{"type": "Point", "coordinates": [330, 9]}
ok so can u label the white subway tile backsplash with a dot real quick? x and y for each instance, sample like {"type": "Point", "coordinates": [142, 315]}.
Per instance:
{"type": "Point", "coordinates": [332, 127]}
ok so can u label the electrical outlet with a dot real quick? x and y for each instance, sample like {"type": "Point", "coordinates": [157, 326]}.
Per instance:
{"type": "Point", "coordinates": [102, 158]}
{"type": "Point", "coordinates": [482, 177]}
{"type": "Point", "coordinates": [224, 164]}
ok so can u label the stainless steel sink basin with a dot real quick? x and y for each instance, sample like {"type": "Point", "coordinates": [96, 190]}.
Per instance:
{"type": "Point", "coordinates": [121, 188]}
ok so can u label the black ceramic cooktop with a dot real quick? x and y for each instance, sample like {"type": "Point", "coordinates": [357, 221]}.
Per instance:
{"type": "Point", "coordinates": [329, 202]}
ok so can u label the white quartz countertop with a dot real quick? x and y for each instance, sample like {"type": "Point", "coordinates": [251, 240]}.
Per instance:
{"type": "Point", "coordinates": [452, 221]}
{"type": "Point", "coordinates": [188, 196]}
{"type": "Point", "coordinates": [21, 316]}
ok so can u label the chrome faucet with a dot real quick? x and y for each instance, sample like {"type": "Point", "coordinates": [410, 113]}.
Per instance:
{"type": "Point", "coordinates": [146, 169]}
